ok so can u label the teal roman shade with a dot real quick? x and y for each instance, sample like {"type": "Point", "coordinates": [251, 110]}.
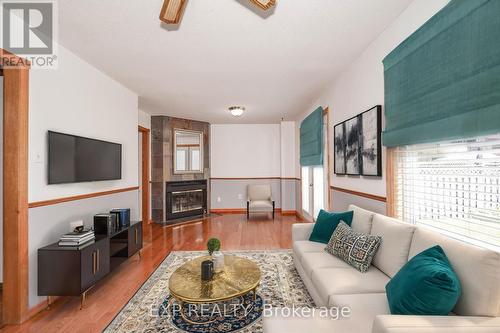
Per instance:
{"type": "Point", "coordinates": [311, 139]}
{"type": "Point", "coordinates": [443, 82]}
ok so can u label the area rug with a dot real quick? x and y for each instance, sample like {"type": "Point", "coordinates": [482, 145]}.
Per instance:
{"type": "Point", "coordinates": [280, 286]}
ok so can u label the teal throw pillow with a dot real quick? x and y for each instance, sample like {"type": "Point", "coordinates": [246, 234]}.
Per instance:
{"type": "Point", "coordinates": [326, 223]}
{"type": "Point", "coordinates": [426, 285]}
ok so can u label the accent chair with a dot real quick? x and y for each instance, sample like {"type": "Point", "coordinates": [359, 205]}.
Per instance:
{"type": "Point", "coordinates": [259, 199]}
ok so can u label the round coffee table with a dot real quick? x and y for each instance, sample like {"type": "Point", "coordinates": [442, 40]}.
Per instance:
{"type": "Point", "coordinates": [239, 277]}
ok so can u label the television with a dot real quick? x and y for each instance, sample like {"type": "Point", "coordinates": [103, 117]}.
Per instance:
{"type": "Point", "coordinates": [75, 159]}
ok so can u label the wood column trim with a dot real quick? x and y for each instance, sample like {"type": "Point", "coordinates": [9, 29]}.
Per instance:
{"type": "Point", "coordinates": [146, 196]}
{"type": "Point", "coordinates": [15, 189]}
{"type": "Point", "coordinates": [328, 155]}
{"type": "Point", "coordinates": [390, 181]}
{"type": "Point", "coordinates": [79, 197]}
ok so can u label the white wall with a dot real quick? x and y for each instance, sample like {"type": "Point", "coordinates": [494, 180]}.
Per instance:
{"type": "Point", "coordinates": [245, 150]}
{"type": "Point", "coordinates": [288, 149]}
{"type": "Point", "coordinates": [252, 151]}
{"type": "Point", "coordinates": [144, 119]}
{"type": "Point", "coordinates": [1, 179]}
{"type": "Point", "coordinates": [78, 99]}
{"type": "Point", "coordinates": [361, 86]}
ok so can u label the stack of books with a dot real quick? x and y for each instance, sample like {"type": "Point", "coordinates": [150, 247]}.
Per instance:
{"type": "Point", "coordinates": [77, 238]}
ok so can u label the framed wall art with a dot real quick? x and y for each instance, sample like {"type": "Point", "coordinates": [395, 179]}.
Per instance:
{"type": "Point", "coordinates": [357, 144]}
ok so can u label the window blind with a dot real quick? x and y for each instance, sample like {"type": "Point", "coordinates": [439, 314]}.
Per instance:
{"type": "Point", "coordinates": [443, 82]}
{"type": "Point", "coordinates": [311, 139]}
{"type": "Point", "coordinates": [452, 186]}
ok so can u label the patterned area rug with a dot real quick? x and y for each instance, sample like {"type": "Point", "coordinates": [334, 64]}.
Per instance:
{"type": "Point", "coordinates": [280, 286]}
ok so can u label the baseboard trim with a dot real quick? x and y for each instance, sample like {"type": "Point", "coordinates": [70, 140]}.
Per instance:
{"type": "Point", "coordinates": [245, 178]}
{"type": "Point", "coordinates": [235, 210]}
{"type": "Point", "coordinates": [33, 311]}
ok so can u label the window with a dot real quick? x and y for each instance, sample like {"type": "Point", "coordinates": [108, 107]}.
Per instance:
{"type": "Point", "coordinates": [452, 186]}
{"type": "Point", "coordinates": [181, 159]}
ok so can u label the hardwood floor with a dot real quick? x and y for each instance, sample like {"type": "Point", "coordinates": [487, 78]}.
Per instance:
{"type": "Point", "coordinates": [108, 297]}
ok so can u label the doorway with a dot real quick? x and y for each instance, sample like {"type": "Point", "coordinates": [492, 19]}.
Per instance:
{"type": "Point", "coordinates": [316, 179]}
{"type": "Point", "coordinates": [144, 176]}
{"type": "Point", "coordinates": [313, 189]}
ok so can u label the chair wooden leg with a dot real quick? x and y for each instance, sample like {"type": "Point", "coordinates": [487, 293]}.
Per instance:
{"type": "Point", "coordinates": [248, 210]}
{"type": "Point", "coordinates": [273, 210]}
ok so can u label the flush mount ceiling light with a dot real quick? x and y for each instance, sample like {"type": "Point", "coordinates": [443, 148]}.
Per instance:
{"type": "Point", "coordinates": [264, 4]}
{"type": "Point", "coordinates": [236, 111]}
{"type": "Point", "coordinates": [171, 11]}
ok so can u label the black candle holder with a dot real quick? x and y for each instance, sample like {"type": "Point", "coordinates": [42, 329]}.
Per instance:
{"type": "Point", "coordinates": [207, 270]}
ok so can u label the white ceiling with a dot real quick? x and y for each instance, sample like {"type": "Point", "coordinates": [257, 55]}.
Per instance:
{"type": "Point", "coordinates": [224, 52]}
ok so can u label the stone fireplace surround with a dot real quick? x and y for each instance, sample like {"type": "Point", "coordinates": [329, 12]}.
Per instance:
{"type": "Point", "coordinates": [162, 161]}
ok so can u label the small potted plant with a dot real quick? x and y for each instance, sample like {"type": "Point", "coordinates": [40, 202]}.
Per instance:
{"type": "Point", "coordinates": [213, 247]}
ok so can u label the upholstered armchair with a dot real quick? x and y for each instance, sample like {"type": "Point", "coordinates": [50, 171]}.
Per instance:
{"type": "Point", "coordinates": [259, 199]}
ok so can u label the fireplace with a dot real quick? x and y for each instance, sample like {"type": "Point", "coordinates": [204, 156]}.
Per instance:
{"type": "Point", "coordinates": [185, 199]}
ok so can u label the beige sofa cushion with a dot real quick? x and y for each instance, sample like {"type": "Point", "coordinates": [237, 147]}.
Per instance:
{"type": "Point", "coordinates": [333, 281]}
{"type": "Point", "coordinates": [435, 324]}
{"type": "Point", "coordinates": [364, 309]}
{"type": "Point", "coordinates": [314, 260]}
{"type": "Point", "coordinates": [260, 205]}
{"type": "Point", "coordinates": [396, 240]}
{"type": "Point", "coordinates": [478, 270]}
{"type": "Point", "coordinates": [362, 219]}
{"type": "Point", "coordinates": [305, 246]}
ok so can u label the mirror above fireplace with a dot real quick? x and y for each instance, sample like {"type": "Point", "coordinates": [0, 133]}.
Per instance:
{"type": "Point", "coordinates": [188, 151]}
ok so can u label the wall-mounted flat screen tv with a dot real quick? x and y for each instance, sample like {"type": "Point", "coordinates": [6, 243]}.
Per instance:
{"type": "Point", "coordinates": [75, 159]}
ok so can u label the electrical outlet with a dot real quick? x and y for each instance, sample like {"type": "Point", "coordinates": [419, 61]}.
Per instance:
{"type": "Point", "coordinates": [218, 199]}
{"type": "Point", "coordinates": [37, 158]}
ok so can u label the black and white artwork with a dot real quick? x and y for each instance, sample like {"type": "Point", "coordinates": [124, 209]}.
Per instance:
{"type": "Point", "coordinates": [357, 144]}
{"type": "Point", "coordinates": [339, 144]}
{"type": "Point", "coordinates": [371, 162]}
{"type": "Point", "coordinates": [352, 132]}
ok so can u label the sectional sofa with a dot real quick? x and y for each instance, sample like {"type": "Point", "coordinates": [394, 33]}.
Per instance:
{"type": "Point", "coordinates": [333, 283]}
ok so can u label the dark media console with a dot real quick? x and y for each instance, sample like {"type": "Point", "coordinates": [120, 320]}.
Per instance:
{"type": "Point", "coordinates": [72, 271]}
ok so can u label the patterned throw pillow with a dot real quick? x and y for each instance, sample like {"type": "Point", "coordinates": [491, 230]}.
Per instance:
{"type": "Point", "coordinates": [355, 248]}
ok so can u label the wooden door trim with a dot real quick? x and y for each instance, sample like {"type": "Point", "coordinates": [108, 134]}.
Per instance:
{"type": "Point", "coordinates": [328, 155]}
{"type": "Point", "coordinates": [145, 158]}
{"type": "Point", "coordinates": [15, 189]}
{"type": "Point", "coordinates": [390, 181]}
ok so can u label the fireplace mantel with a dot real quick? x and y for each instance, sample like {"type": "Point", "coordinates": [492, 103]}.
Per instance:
{"type": "Point", "coordinates": [162, 171]}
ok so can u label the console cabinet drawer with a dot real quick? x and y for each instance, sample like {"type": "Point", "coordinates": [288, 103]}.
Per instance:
{"type": "Point", "coordinates": [94, 264]}
{"type": "Point", "coordinates": [134, 239]}
{"type": "Point", "coordinates": [70, 272]}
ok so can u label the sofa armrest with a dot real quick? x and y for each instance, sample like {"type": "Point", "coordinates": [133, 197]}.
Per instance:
{"type": "Point", "coordinates": [301, 231]}
{"type": "Point", "coordinates": [435, 324]}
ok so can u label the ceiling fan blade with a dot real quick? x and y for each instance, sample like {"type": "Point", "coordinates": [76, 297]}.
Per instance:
{"type": "Point", "coordinates": [171, 12]}
{"type": "Point", "coordinates": [264, 4]}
